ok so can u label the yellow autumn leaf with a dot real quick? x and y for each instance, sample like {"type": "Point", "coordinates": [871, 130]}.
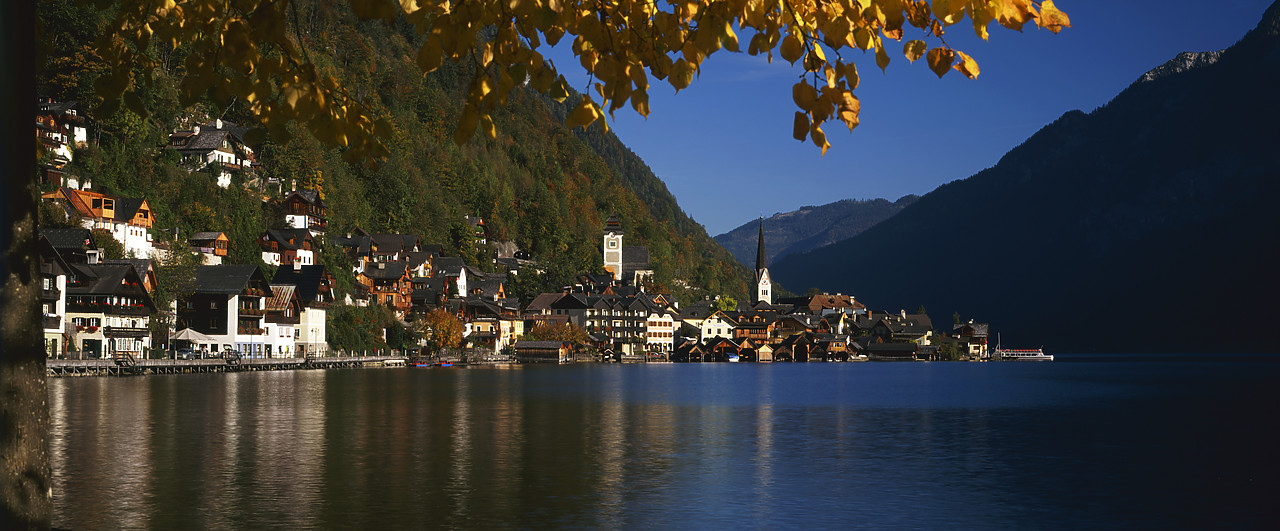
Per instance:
{"type": "Point", "coordinates": [431, 56]}
{"type": "Point", "coordinates": [966, 65]}
{"type": "Point", "coordinates": [681, 74]}
{"type": "Point", "coordinates": [850, 107]}
{"type": "Point", "coordinates": [940, 60]}
{"type": "Point", "coordinates": [914, 49]}
{"type": "Point", "coordinates": [466, 124]}
{"type": "Point", "coordinates": [800, 128]}
{"type": "Point", "coordinates": [819, 138]}
{"type": "Point", "coordinates": [1051, 18]}
{"type": "Point", "coordinates": [583, 115]}
{"type": "Point", "coordinates": [949, 11]}
{"type": "Point", "coordinates": [804, 95]}
{"type": "Point", "coordinates": [486, 125]}
{"type": "Point", "coordinates": [791, 49]}
{"type": "Point", "coordinates": [882, 58]}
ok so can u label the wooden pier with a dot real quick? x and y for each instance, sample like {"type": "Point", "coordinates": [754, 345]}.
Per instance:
{"type": "Point", "coordinates": [127, 365]}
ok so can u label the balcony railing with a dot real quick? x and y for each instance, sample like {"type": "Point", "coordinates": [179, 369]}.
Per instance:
{"type": "Point", "coordinates": [52, 321]}
{"type": "Point", "coordinates": [52, 294]}
{"type": "Point", "coordinates": [114, 309]}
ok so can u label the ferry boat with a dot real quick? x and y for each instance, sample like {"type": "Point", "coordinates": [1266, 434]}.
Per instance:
{"type": "Point", "coordinates": [1030, 354]}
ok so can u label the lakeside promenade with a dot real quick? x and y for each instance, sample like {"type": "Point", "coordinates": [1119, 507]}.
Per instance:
{"type": "Point", "coordinates": [124, 366]}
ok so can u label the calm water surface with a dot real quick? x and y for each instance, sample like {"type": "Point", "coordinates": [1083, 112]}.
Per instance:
{"type": "Point", "coordinates": [1084, 442]}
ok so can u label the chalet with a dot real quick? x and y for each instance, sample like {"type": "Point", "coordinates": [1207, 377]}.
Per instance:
{"type": "Point", "coordinates": [973, 336]}
{"type": "Point", "coordinates": [54, 272]}
{"type": "Point", "coordinates": [755, 325]}
{"type": "Point", "coordinates": [389, 284]}
{"type": "Point", "coordinates": [217, 148]}
{"type": "Point", "coordinates": [128, 219]}
{"type": "Point", "coordinates": [227, 303]}
{"type": "Point", "coordinates": [825, 304]}
{"type": "Point", "coordinates": [285, 246]}
{"type": "Point", "coordinates": [110, 309]}
{"type": "Point", "coordinates": [543, 351]}
{"type": "Point", "coordinates": [717, 324]}
{"type": "Point", "coordinates": [144, 268]}
{"type": "Point", "coordinates": [305, 209]}
{"type": "Point", "coordinates": [212, 245]}
{"type": "Point", "coordinates": [313, 286]}
{"type": "Point", "coordinates": [790, 325]}
{"type": "Point", "coordinates": [59, 128]}
{"type": "Point", "coordinates": [454, 271]}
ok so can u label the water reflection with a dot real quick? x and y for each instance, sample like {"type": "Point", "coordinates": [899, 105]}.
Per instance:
{"type": "Point", "coordinates": [633, 447]}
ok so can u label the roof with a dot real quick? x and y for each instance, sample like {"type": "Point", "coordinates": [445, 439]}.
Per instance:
{"type": "Point", "coordinates": [99, 279]}
{"type": "Point", "coordinates": [388, 270]}
{"type": "Point", "coordinates": [205, 236]}
{"type": "Point", "coordinates": [635, 258]}
{"type": "Point", "coordinates": [307, 279]}
{"type": "Point", "coordinates": [140, 265]}
{"type": "Point", "coordinates": [543, 301]}
{"type": "Point", "coordinates": [63, 239]}
{"type": "Point", "coordinates": [281, 294]}
{"type": "Point", "coordinates": [308, 196]}
{"type": "Point", "coordinates": [127, 207]}
{"type": "Point", "coordinates": [227, 279]}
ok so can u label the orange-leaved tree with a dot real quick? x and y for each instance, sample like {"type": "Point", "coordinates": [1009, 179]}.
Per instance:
{"type": "Point", "coordinates": [251, 49]}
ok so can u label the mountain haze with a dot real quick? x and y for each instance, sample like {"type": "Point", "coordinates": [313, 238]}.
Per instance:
{"type": "Point", "coordinates": [809, 227]}
{"type": "Point", "coordinates": [1147, 225]}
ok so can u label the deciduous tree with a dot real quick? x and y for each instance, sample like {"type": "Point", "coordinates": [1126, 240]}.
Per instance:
{"type": "Point", "coordinates": [250, 49]}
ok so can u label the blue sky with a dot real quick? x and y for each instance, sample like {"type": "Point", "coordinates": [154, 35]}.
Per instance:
{"type": "Point", "coordinates": [724, 148]}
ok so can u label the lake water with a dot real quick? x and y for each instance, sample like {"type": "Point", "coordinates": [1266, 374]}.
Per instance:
{"type": "Point", "coordinates": [1079, 443]}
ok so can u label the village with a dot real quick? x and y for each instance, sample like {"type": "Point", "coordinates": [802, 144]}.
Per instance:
{"type": "Point", "coordinates": [97, 307]}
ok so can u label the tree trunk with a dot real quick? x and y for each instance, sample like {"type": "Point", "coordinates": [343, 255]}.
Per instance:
{"type": "Point", "coordinates": [26, 489]}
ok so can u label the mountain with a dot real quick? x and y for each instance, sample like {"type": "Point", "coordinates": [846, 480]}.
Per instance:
{"type": "Point", "coordinates": [538, 184]}
{"type": "Point", "coordinates": [1147, 225]}
{"type": "Point", "coordinates": [809, 227]}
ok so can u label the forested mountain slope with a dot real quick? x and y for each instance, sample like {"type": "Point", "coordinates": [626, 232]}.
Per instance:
{"type": "Point", "coordinates": [1146, 225]}
{"type": "Point", "coordinates": [537, 183]}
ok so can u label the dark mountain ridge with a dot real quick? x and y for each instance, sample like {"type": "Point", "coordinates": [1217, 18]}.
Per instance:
{"type": "Point", "coordinates": [809, 227]}
{"type": "Point", "coordinates": [1121, 230]}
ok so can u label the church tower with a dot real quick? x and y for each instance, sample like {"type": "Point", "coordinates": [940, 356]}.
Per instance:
{"type": "Point", "coordinates": [763, 284]}
{"type": "Point", "coordinates": [612, 247]}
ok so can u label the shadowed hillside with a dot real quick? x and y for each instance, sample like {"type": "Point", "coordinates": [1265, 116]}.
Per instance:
{"type": "Point", "coordinates": [1148, 224]}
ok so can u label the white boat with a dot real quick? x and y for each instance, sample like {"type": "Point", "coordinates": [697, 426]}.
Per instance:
{"type": "Point", "coordinates": [734, 358]}
{"type": "Point", "coordinates": [1031, 354]}
{"type": "Point", "coordinates": [1021, 354]}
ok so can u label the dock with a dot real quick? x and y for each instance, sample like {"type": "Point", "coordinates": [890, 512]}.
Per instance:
{"type": "Point", "coordinates": [128, 366]}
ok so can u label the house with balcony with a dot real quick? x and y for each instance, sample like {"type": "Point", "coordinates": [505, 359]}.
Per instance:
{"type": "Point", "coordinates": [53, 298]}
{"type": "Point", "coordinates": [283, 314]}
{"type": "Point", "coordinates": [217, 148]}
{"type": "Point", "coordinates": [284, 247]}
{"type": "Point", "coordinates": [305, 209]}
{"type": "Point", "coordinates": [110, 308]}
{"type": "Point", "coordinates": [59, 128]}
{"type": "Point", "coordinates": [227, 304]}
{"type": "Point", "coordinates": [313, 286]}
{"type": "Point", "coordinates": [128, 219]}
{"type": "Point", "coordinates": [212, 246]}
{"type": "Point", "coordinates": [389, 284]}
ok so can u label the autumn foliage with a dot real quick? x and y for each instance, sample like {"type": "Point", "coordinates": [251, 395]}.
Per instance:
{"type": "Point", "coordinates": [249, 49]}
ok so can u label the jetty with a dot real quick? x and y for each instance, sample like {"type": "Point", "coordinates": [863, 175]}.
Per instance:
{"type": "Point", "coordinates": [125, 365]}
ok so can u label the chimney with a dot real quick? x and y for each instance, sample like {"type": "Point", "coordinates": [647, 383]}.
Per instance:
{"type": "Point", "coordinates": [904, 313]}
{"type": "Point", "coordinates": [293, 187]}
{"type": "Point", "coordinates": [218, 123]}
{"type": "Point", "coordinates": [195, 130]}
{"type": "Point", "coordinates": [297, 266]}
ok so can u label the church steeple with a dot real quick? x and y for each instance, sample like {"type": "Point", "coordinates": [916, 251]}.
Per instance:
{"type": "Point", "coordinates": [760, 247]}
{"type": "Point", "coordinates": [763, 284]}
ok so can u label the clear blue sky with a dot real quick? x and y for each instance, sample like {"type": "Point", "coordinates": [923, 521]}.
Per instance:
{"type": "Point", "coordinates": [724, 148]}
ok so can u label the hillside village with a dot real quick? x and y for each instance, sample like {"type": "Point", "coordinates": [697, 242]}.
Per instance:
{"type": "Point", "coordinates": [284, 306]}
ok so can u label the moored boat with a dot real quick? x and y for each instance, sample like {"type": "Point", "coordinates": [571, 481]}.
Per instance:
{"type": "Point", "coordinates": [1031, 354]}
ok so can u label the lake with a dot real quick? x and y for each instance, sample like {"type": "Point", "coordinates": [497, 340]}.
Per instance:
{"type": "Point", "coordinates": [1084, 442]}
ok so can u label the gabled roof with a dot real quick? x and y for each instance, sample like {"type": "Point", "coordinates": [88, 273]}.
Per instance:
{"type": "Point", "coordinates": [227, 279]}
{"type": "Point", "coordinates": [141, 266]}
{"type": "Point", "coordinates": [205, 236]}
{"type": "Point", "coordinates": [281, 294]}
{"type": "Point", "coordinates": [127, 207]}
{"type": "Point", "coordinates": [571, 301]}
{"type": "Point", "coordinates": [284, 236]}
{"type": "Point", "coordinates": [307, 279]}
{"type": "Point", "coordinates": [543, 301]}
{"type": "Point", "coordinates": [384, 270]}
{"type": "Point", "coordinates": [69, 239]}
{"type": "Point", "coordinates": [307, 196]}
{"type": "Point", "coordinates": [393, 243]}
{"type": "Point", "coordinates": [634, 258]}
{"type": "Point", "coordinates": [449, 266]}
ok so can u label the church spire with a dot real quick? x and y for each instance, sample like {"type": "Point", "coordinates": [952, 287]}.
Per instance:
{"type": "Point", "coordinates": [760, 247]}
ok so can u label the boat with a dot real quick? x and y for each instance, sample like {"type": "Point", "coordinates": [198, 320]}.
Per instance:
{"type": "Point", "coordinates": [734, 358]}
{"type": "Point", "coordinates": [1020, 354]}
{"type": "Point", "coordinates": [1029, 354]}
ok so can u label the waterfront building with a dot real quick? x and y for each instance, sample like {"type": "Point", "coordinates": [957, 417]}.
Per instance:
{"type": "Point", "coordinates": [53, 298]}
{"type": "Point", "coordinates": [128, 219]}
{"type": "Point", "coordinates": [314, 291]}
{"type": "Point", "coordinates": [283, 314]}
{"type": "Point", "coordinates": [110, 309]}
{"type": "Point", "coordinates": [226, 303]}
